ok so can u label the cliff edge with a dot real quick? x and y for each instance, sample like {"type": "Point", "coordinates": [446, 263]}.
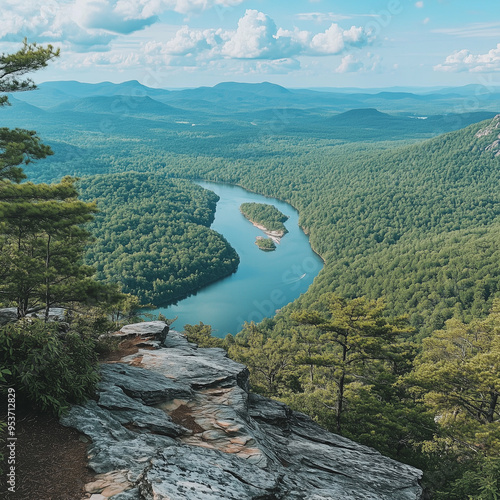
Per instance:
{"type": "Point", "coordinates": [174, 421]}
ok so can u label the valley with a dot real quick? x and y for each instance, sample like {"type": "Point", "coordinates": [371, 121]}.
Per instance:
{"type": "Point", "coordinates": [369, 193]}
{"type": "Point", "coordinates": [380, 305]}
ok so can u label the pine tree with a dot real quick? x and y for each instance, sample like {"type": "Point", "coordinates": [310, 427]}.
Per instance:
{"type": "Point", "coordinates": [356, 337]}
{"type": "Point", "coordinates": [41, 238]}
{"type": "Point", "coordinates": [18, 146]}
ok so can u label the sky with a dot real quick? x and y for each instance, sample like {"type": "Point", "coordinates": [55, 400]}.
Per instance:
{"type": "Point", "coordinates": [294, 43]}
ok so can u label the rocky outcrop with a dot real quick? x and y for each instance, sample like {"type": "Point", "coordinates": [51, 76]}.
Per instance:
{"type": "Point", "coordinates": [492, 128]}
{"type": "Point", "coordinates": [178, 422]}
{"type": "Point", "coordinates": [9, 314]}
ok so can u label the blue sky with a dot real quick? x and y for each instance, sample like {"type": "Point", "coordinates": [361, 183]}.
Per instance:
{"type": "Point", "coordinates": [295, 43]}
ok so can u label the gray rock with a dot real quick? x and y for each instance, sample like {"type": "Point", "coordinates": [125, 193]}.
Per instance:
{"type": "Point", "coordinates": [176, 340]}
{"type": "Point", "coordinates": [240, 445]}
{"type": "Point", "coordinates": [113, 445]}
{"type": "Point", "coordinates": [133, 494]}
{"type": "Point", "coordinates": [8, 315]}
{"type": "Point", "coordinates": [149, 386]}
{"type": "Point", "coordinates": [200, 474]}
{"type": "Point", "coordinates": [200, 368]}
{"type": "Point", "coordinates": [130, 412]}
{"type": "Point", "coordinates": [155, 329]}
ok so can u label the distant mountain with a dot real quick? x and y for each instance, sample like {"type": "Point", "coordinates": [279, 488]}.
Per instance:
{"type": "Point", "coordinates": [228, 98]}
{"type": "Point", "coordinates": [119, 104]}
{"type": "Point", "coordinates": [376, 90]}
{"type": "Point", "coordinates": [264, 88]}
{"type": "Point", "coordinates": [368, 117]}
{"type": "Point", "coordinates": [18, 108]}
{"type": "Point", "coordinates": [231, 97]}
{"type": "Point", "coordinates": [49, 94]}
{"type": "Point", "coordinates": [471, 89]}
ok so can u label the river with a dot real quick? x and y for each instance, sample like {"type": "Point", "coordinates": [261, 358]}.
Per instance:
{"type": "Point", "coordinates": [263, 282]}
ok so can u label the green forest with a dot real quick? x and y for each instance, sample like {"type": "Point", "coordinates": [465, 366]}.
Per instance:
{"type": "Point", "coordinates": [152, 236]}
{"type": "Point", "coordinates": [265, 215]}
{"type": "Point", "coordinates": [266, 244]}
{"type": "Point", "coordinates": [397, 342]}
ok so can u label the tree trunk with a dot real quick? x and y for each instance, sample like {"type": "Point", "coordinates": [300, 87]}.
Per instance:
{"type": "Point", "coordinates": [47, 280]}
{"type": "Point", "coordinates": [340, 402]}
{"type": "Point", "coordinates": [490, 414]}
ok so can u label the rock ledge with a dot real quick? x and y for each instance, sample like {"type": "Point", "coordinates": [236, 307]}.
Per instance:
{"type": "Point", "coordinates": [178, 422]}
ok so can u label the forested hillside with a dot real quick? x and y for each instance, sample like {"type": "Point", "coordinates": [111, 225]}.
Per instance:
{"type": "Point", "coordinates": [152, 236]}
{"type": "Point", "coordinates": [417, 225]}
{"type": "Point", "coordinates": [412, 223]}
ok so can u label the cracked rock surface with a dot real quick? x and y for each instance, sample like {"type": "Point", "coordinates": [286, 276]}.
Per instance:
{"type": "Point", "coordinates": [178, 422]}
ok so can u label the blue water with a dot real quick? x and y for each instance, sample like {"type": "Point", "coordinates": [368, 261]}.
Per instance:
{"type": "Point", "coordinates": [264, 281]}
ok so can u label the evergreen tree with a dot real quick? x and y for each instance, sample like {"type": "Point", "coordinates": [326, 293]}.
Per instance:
{"type": "Point", "coordinates": [19, 146]}
{"type": "Point", "coordinates": [42, 246]}
{"type": "Point", "coordinates": [41, 238]}
{"type": "Point", "coordinates": [457, 376]}
{"type": "Point", "coordinates": [356, 339]}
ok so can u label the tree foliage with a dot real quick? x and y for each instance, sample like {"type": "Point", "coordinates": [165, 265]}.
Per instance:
{"type": "Point", "coordinates": [20, 146]}
{"type": "Point", "coordinates": [42, 246]}
{"type": "Point", "coordinates": [266, 215]}
{"type": "Point", "coordinates": [201, 335]}
{"type": "Point", "coordinates": [41, 236]}
{"type": "Point", "coordinates": [357, 335]}
{"type": "Point", "coordinates": [152, 236]}
{"type": "Point", "coordinates": [48, 370]}
{"type": "Point", "coordinates": [457, 375]}
{"type": "Point", "coordinates": [29, 58]}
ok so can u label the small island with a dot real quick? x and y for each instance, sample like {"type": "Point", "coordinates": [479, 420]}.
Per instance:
{"type": "Point", "coordinates": [267, 218]}
{"type": "Point", "coordinates": [266, 244]}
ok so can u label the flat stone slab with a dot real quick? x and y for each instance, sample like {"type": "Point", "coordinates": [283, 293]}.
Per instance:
{"type": "Point", "coordinates": [149, 386]}
{"type": "Point", "coordinates": [149, 329]}
{"type": "Point", "coordinates": [200, 368]}
{"type": "Point", "coordinates": [9, 314]}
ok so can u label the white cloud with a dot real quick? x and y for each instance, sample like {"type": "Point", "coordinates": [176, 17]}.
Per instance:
{"type": "Point", "coordinates": [117, 60]}
{"type": "Point", "coordinates": [187, 41]}
{"type": "Point", "coordinates": [320, 17]}
{"type": "Point", "coordinates": [48, 22]}
{"type": "Point", "coordinates": [258, 37]}
{"type": "Point", "coordinates": [115, 16]}
{"type": "Point", "coordinates": [349, 64]}
{"type": "Point", "coordinates": [89, 24]}
{"type": "Point", "coordinates": [464, 60]}
{"type": "Point", "coordinates": [144, 9]}
{"type": "Point", "coordinates": [277, 66]}
{"type": "Point", "coordinates": [335, 40]}
{"type": "Point", "coordinates": [419, 5]}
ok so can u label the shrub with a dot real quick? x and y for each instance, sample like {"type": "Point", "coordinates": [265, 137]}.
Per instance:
{"type": "Point", "coordinates": [49, 370]}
